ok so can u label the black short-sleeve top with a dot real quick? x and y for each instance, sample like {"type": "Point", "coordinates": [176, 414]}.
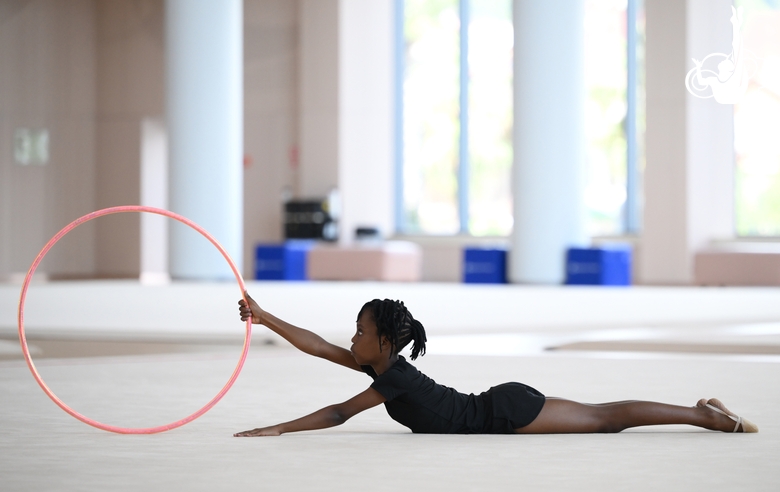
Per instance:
{"type": "Point", "coordinates": [418, 402]}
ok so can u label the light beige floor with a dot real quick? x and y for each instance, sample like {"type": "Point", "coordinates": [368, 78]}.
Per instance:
{"type": "Point", "coordinates": [43, 448]}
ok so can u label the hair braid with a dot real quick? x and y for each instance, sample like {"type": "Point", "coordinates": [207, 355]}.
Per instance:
{"type": "Point", "coordinates": [395, 322]}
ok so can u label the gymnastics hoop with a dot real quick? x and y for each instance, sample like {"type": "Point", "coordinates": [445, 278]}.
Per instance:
{"type": "Point", "coordinates": [26, 350]}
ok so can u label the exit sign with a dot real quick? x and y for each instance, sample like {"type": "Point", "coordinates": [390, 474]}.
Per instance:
{"type": "Point", "coordinates": [31, 146]}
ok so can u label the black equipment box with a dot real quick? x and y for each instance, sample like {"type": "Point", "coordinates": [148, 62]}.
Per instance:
{"type": "Point", "coordinates": [309, 219]}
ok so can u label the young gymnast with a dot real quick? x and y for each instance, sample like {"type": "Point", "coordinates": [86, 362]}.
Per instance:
{"type": "Point", "coordinates": [385, 327]}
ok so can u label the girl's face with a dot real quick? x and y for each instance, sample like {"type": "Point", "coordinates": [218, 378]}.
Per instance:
{"type": "Point", "coordinates": [365, 343]}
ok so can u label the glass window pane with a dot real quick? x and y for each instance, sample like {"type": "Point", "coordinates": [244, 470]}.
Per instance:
{"type": "Point", "coordinates": [431, 129]}
{"type": "Point", "coordinates": [605, 113]}
{"type": "Point", "coordinates": [491, 40]}
{"type": "Point", "coordinates": [757, 125]}
{"type": "Point", "coordinates": [641, 122]}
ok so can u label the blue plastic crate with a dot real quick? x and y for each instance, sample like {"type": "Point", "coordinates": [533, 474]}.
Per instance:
{"type": "Point", "coordinates": [598, 266]}
{"type": "Point", "coordinates": [484, 265]}
{"type": "Point", "coordinates": [285, 261]}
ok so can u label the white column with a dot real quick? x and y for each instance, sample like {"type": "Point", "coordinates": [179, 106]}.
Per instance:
{"type": "Point", "coordinates": [204, 96]}
{"type": "Point", "coordinates": [366, 177]}
{"type": "Point", "coordinates": [154, 193]}
{"type": "Point", "coordinates": [548, 137]}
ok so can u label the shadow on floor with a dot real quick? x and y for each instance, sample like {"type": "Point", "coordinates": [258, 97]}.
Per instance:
{"type": "Point", "coordinates": [51, 349]}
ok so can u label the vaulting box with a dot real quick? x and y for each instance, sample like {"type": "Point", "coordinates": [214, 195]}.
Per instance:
{"type": "Point", "coordinates": [760, 266]}
{"type": "Point", "coordinates": [395, 261]}
{"type": "Point", "coordinates": [484, 265]}
{"type": "Point", "coordinates": [598, 266]}
{"type": "Point", "coordinates": [285, 261]}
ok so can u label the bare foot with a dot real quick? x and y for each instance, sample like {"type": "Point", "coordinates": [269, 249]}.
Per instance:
{"type": "Point", "coordinates": [727, 421]}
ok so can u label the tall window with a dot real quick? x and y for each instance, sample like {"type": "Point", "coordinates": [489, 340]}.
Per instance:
{"type": "Point", "coordinates": [457, 117]}
{"type": "Point", "coordinates": [614, 115]}
{"type": "Point", "coordinates": [757, 124]}
{"type": "Point", "coordinates": [455, 81]}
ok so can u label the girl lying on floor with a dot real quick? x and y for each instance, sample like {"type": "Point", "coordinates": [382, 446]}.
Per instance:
{"type": "Point", "coordinates": [385, 327]}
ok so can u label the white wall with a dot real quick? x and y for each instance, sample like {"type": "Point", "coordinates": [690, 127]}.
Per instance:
{"type": "Point", "coordinates": [47, 68]}
{"type": "Point", "coordinates": [270, 117]}
{"type": "Point", "coordinates": [688, 176]}
{"type": "Point", "coordinates": [130, 77]}
{"type": "Point", "coordinates": [90, 72]}
{"type": "Point", "coordinates": [346, 108]}
{"type": "Point", "coordinates": [318, 111]}
{"type": "Point", "coordinates": [710, 133]}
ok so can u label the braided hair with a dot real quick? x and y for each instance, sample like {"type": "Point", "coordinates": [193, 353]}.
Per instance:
{"type": "Point", "coordinates": [395, 322]}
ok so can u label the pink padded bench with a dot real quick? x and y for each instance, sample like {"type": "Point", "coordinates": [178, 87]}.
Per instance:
{"type": "Point", "coordinates": [739, 267]}
{"type": "Point", "coordinates": [394, 261]}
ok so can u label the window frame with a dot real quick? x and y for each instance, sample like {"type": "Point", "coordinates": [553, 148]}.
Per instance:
{"type": "Point", "coordinates": [632, 213]}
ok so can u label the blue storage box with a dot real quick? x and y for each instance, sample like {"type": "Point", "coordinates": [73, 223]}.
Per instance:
{"type": "Point", "coordinates": [609, 265]}
{"type": "Point", "coordinates": [282, 261]}
{"type": "Point", "coordinates": [484, 265]}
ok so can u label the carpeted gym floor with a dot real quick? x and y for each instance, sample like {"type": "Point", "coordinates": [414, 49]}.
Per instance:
{"type": "Point", "coordinates": [140, 356]}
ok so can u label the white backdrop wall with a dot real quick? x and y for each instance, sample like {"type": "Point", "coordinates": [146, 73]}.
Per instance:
{"type": "Point", "coordinates": [91, 72]}
{"type": "Point", "coordinates": [47, 69]}
{"type": "Point", "coordinates": [688, 177]}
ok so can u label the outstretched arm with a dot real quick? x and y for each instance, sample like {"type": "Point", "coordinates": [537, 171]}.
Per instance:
{"type": "Point", "coordinates": [323, 418]}
{"type": "Point", "coordinates": [304, 340]}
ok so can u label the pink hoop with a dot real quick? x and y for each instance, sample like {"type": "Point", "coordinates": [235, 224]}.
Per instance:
{"type": "Point", "coordinates": [26, 351]}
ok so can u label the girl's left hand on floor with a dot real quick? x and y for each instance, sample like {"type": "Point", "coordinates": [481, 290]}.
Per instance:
{"type": "Point", "coordinates": [262, 431]}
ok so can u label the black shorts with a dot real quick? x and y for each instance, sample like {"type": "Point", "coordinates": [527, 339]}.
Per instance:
{"type": "Point", "coordinates": [510, 406]}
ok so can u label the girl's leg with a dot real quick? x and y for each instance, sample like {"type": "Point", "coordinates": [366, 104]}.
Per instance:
{"type": "Point", "coordinates": [559, 416]}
